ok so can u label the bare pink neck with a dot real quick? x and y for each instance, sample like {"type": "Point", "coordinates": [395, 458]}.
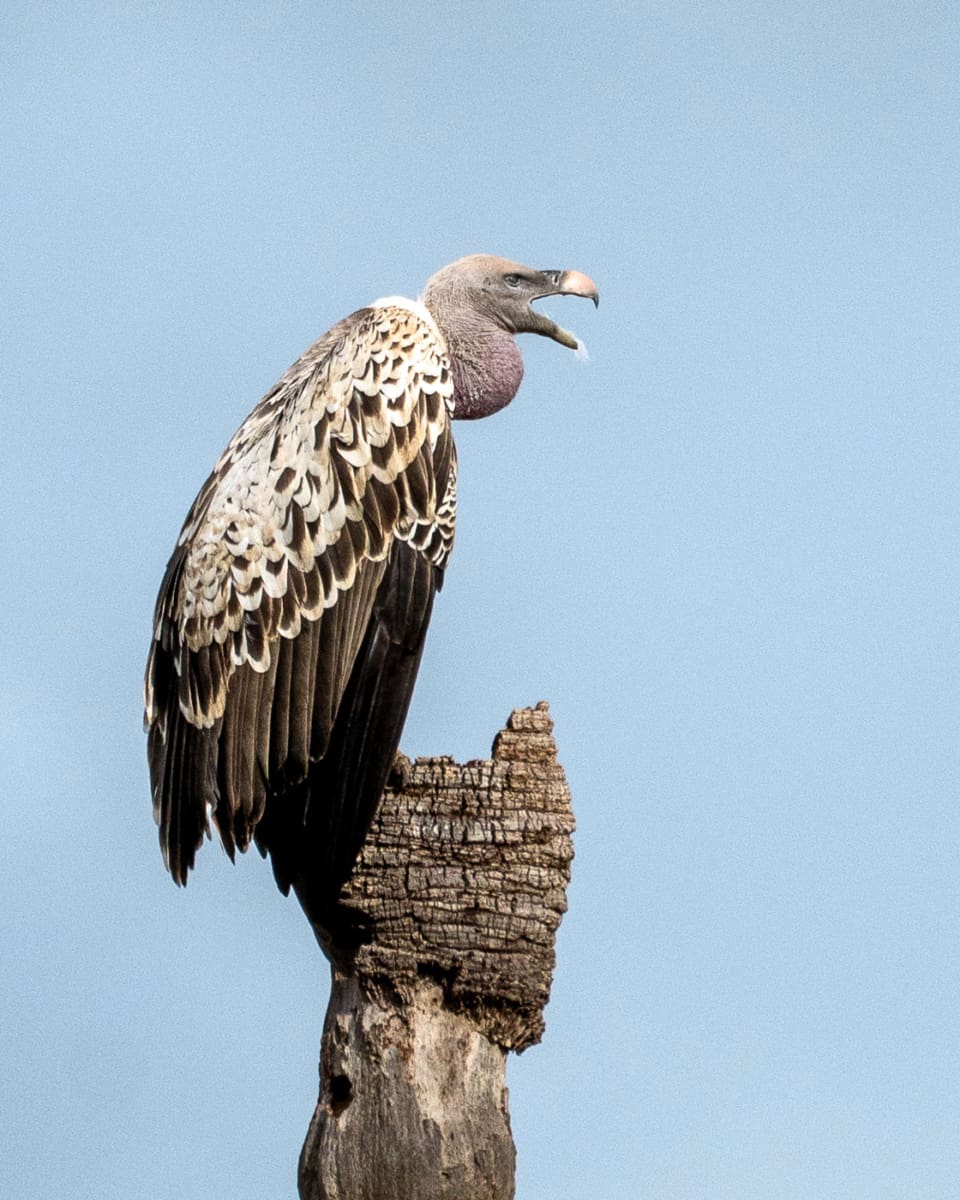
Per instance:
{"type": "Point", "coordinates": [486, 375]}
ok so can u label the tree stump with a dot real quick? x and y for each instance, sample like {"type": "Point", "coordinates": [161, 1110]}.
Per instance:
{"type": "Point", "coordinates": [442, 954]}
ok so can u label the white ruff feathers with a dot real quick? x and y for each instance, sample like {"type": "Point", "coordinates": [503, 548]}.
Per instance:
{"type": "Point", "coordinates": [414, 306]}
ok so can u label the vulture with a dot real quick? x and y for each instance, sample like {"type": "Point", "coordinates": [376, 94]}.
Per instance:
{"type": "Point", "coordinates": [291, 618]}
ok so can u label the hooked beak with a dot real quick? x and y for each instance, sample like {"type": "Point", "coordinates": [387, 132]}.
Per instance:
{"type": "Point", "coordinates": [564, 283]}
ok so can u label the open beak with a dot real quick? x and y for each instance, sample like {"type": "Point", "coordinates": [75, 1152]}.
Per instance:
{"type": "Point", "coordinates": [564, 283]}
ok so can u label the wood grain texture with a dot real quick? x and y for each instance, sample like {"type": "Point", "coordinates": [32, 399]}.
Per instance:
{"type": "Point", "coordinates": [443, 956]}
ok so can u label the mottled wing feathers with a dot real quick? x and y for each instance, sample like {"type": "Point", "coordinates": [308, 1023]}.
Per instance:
{"type": "Point", "coordinates": [286, 569]}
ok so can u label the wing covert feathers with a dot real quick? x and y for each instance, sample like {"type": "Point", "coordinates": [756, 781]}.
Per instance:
{"type": "Point", "coordinates": [304, 574]}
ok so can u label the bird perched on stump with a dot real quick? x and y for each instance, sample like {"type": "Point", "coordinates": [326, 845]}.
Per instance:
{"type": "Point", "coordinates": [291, 618]}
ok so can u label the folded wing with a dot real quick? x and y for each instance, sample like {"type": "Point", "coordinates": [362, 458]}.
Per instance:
{"type": "Point", "coordinates": [291, 618]}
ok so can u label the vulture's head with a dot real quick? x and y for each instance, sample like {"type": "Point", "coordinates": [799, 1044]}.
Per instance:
{"type": "Point", "coordinates": [480, 303]}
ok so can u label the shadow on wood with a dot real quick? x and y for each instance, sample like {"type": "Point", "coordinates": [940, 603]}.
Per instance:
{"type": "Point", "coordinates": [442, 953]}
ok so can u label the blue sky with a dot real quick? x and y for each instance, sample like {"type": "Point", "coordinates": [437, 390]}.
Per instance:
{"type": "Point", "coordinates": [725, 550]}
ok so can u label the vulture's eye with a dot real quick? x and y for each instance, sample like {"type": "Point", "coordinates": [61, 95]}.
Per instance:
{"type": "Point", "coordinates": [512, 280]}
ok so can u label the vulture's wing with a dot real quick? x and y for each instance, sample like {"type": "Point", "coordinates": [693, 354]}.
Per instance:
{"type": "Point", "coordinates": [289, 624]}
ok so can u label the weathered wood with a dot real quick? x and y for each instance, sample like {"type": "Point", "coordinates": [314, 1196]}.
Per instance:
{"type": "Point", "coordinates": [442, 954]}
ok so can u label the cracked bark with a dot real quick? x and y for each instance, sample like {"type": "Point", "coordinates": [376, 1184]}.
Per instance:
{"type": "Point", "coordinates": [442, 954]}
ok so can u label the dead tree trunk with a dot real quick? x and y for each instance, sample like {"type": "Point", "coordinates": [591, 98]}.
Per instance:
{"type": "Point", "coordinates": [442, 958]}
